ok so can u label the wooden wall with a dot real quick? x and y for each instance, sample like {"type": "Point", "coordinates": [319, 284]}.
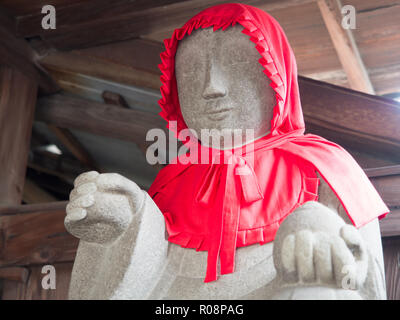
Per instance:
{"type": "Point", "coordinates": [391, 255]}
{"type": "Point", "coordinates": [31, 289]}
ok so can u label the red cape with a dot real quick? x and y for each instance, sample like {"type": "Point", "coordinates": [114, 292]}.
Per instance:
{"type": "Point", "coordinates": [214, 207]}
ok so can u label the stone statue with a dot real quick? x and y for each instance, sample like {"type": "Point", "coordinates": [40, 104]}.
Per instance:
{"type": "Point", "coordinates": [123, 252]}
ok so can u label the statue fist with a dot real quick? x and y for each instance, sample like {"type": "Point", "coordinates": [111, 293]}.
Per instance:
{"type": "Point", "coordinates": [318, 247]}
{"type": "Point", "coordinates": [101, 206]}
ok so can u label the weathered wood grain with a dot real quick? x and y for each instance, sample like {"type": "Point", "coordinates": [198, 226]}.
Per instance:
{"type": "Point", "coordinates": [84, 13]}
{"type": "Point", "coordinates": [97, 118]}
{"type": "Point", "coordinates": [18, 274]}
{"type": "Point", "coordinates": [387, 182]}
{"type": "Point", "coordinates": [389, 189]}
{"type": "Point", "coordinates": [390, 225]}
{"type": "Point", "coordinates": [32, 193]}
{"type": "Point", "coordinates": [383, 171]}
{"type": "Point", "coordinates": [66, 137]}
{"type": "Point", "coordinates": [104, 22]}
{"type": "Point", "coordinates": [352, 118]}
{"type": "Point", "coordinates": [345, 46]}
{"type": "Point", "coordinates": [17, 54]}
{"type": "Point", "coordinates": [107, 68]}
{"type": "Point", "coordinates": [391, 255]}
{"type": "Point", "coordinates": [17, 105]}
{"type": "Point", "coordinates": [36, 235]}
{"type": "Point", "coordinates": [33, 290]}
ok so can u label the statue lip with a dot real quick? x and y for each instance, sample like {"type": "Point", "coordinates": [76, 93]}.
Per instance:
{"type": "Point", "coordinates": [218, 111]}
{"type": "Point", "coordinates": [218, 114]}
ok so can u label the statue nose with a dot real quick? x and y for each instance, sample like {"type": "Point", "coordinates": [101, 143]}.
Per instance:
{"type": "Point", "coordinates": [212, 92]}
{"type": "Point", "coordinates": [214, 85]}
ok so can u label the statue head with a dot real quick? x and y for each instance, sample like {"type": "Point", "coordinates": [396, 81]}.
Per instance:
{"type": "Point", "coordinates": [230, 67]}
{"type": "Point", "coordinates": [222, 86]}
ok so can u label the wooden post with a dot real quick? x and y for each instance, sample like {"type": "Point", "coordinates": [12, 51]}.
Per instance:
{"type": "Point", "coordinates": [345, 46]}
{"type": "Point", "coordinates": [18, 95]}
{"type": "Point", "coordinates": [17, 104]}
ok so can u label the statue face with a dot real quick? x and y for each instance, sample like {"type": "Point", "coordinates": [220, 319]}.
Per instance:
{"type": "Point", "coordinates": [221, 84]}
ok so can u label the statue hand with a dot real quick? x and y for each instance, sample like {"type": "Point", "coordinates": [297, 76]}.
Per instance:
{"type": "Point", "coordinates": [101, 206]}
{"type": "Point", "coordinates": [315, 245]}
{"type": "Point", "coordinates": [309, 257]}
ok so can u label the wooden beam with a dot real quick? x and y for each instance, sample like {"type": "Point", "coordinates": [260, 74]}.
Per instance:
{"type": "Point", "coordinates": [34, 194]}
{"type": "Point", "coordinates": [114, 99]}
{"type": "Point", "coordinates": [18, 94]}
{"type": "Point", "coordinates": [389, 189]}
{"type": "Point", "coordinates": [17, 104]}
{"type": "Point", "coordinates": [391, 256]}
{"type": "Point", "coordinates": [18, 274]}
{"type": "Point", "coordinates": [123, 20]}
{"type": "Point", "coordinates": [8, 22]}
{"type": "Point", "coordinates": [387, 182]}
{"type": "Point", "coordinates": [73, 64]}
{"type": "Point", "coordinates": [354, 119]}
{"type": "Point", "coordinates": [345, 45]}
{"type": "Point", "coordinates": [52, 183]}
{"type": "Point", "coordinates": [385, 79]}
{"type": "Point", "coordinates": [33, 290]}
{"type": "Point", "coordinates": [34, 234]}
{"type": "Point", "coordinates": [14, 210]}
{"type": "Point", "coordinates": [85, 12]}
{"type": "Point", "coordinates": [383, 171]}
{"type": "Point", "coordinates": [65, 168]}
{"type": "Point", "coordinates": [74, 146]}
{"type": "Point", "coordinates": [97, 118]}
{"type": "Point", "coordinates": [118, 100]}
{"type": "Point", "coordinates": [16, 53]}
{"type": "Point", "coordinates": [390, 225]}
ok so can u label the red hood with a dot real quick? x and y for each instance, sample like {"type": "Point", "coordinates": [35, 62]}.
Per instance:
{"type": "Point", "coordinates": [276, 56]}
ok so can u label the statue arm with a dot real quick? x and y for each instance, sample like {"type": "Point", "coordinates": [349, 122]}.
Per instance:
{"type": "Point", "coordinates": [371, 236]}
{"type": "Point", "coordinates": [121, 233]}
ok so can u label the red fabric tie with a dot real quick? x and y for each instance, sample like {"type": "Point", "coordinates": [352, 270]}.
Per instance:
{"type": "Point", "coordinates": [238, 181]}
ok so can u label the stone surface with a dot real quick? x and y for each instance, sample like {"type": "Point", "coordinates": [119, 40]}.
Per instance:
{"type": "Point", "coordinates": [221, 84]}
{"type": "Point", "coordinates": [123, 253]}
{"type": "Point", "coordinates": [323, 250]}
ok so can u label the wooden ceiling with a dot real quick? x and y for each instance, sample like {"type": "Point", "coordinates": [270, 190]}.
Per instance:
{"type": "Point", "coordinates": [84, 23]}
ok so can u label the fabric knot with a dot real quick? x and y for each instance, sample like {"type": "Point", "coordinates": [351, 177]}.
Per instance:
{"type": "Point", "coordinates": [233, 180]}
{"type": "Point", "coordinates": [251, 190]}
{"type": "Point", "coordinates": [242, 168]}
